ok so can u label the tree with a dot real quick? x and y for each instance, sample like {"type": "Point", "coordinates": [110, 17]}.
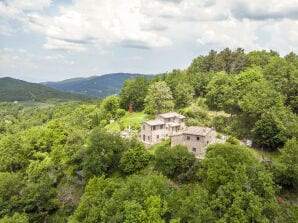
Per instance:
{"type": "Point", "coordinates": [10, 186]}
{"type": "Point", "coordinates": [219, 91]}
{"type": "Point", "coordinates": [137, 199]}
{"type": "Point", "coordinates": [134, 92]}
{"type": "Point", "coordinates": [286, 171]}
{"type": "Point", "coordinates": [103, 153]}
{"type": "Point", "coordinates": [16, 218]}
{"type": "Point", "coordinates": [191, 204]}
{"type": "Point", "coordinates": [275, 127]}
{"type": "Point", "coordinates": [135, 158]}
{"type": "Point", "coordinates": [176, 163]}
{"type": "Point", "coordinates": [241, 189]}
{"type": "Point", "coordinates": [159, 98]}
{"type": "Point", "coordinates": [109, 107]}
{"type": "Point", "coordinates": [13, 154]}
{"type": "Point", "coordinates": [199, 81]}
{"type": "Point", "coordinates": [183, 95]}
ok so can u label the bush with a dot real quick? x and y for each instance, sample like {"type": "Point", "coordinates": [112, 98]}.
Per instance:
{"type": "Point", "coordinates": [233, 140]}
{"type": "Point", "coordinates": [120, 112]}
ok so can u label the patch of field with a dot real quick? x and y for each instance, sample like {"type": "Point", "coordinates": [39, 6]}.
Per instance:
{"type": "Point", "coordinates": [133, 120]}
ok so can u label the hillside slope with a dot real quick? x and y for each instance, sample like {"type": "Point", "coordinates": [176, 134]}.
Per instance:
{"type": "Point", "coordinates": [99, 86]}
{"type": "Point", "coordinates": [18, 90]}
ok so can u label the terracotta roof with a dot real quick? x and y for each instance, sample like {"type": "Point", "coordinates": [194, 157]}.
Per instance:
{"type": "Point", "coordinates": [154, 122]}
{"type": "Point", "coordinates": [171, 115]}
{"type": "Point", "coordinates": [195, 130]}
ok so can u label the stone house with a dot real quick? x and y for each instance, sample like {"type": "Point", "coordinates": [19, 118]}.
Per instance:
{"type": "Point", "coordinates": [196, 139]}
{"type": "Point", "coordinates": [164, 126]}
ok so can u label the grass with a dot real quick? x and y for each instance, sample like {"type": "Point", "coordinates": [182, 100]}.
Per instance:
{"type": "Point", "coordinates": [133, 120]}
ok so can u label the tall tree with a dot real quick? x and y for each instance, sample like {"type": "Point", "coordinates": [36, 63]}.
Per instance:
{"type": "Point", "coordinates": [134, 92]}
{"type": "Point", "coordinates": [286, 171]}
{"type": "Point", "coordinates": [159, 98]}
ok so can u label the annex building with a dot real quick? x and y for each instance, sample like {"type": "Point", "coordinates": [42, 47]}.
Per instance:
{"type": "Point", "coordinates": [172, 125]}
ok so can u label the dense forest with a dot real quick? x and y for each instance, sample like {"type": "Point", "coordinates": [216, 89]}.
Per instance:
{"type": "Point", "coordinates": [66, 161]}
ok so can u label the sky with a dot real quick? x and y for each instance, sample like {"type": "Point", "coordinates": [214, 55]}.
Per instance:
{"type": "Point", "coordinates": [53, 40]}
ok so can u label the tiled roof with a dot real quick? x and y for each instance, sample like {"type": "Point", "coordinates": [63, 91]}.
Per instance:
{"type": "Point", "coordinates": [195, 130]}
{"type": "Point", "coordinates": [171, 115]}
{"type": "Point", "coordinates": [155, 122]}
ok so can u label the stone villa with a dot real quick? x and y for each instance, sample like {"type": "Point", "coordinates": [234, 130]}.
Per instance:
{"type": "Point", "coordinates": [164, 126]}
{"type": "Point", "coordinates": [172, 125]}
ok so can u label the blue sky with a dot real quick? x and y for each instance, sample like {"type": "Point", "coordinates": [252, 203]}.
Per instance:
{"type": "Point", "coordinates": [51, 40]}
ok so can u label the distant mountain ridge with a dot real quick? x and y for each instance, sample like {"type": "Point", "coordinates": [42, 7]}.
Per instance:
{"type": "Point", "coordinates": [98, 86]}
{"type": "Point", "coordinates": [18, 90]}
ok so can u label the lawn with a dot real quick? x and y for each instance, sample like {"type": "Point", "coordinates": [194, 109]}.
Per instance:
{"type": "Point", "coordinates": [133, 120]}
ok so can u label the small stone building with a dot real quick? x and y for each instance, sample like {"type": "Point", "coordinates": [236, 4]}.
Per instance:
{"type": "Point", "coordinates": [196, 139]}
{"type": "Point", "coordinates": [164, 126]}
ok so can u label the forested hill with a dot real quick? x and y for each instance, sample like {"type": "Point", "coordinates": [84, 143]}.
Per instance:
{"type": "Point", "coordinates": [18, 90]}
{"type": "Point", "coordinates": [99, 86]}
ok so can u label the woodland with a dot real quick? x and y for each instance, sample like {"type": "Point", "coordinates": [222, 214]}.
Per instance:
{"type": "Point", "coordinates": [65, 161]}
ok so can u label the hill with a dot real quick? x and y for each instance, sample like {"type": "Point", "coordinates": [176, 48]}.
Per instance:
{"type": "Point", "coordinates": [18, 90]}
{"type": "Point", "coordinates": [99, 86]}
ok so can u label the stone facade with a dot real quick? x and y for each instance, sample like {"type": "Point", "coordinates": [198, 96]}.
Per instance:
{"type": "Point", "coordinates": [164, 126]}
{"type": "Point", "coordinates": [196, 139]}
{"type": "Point", "coordinates": [171, 124]}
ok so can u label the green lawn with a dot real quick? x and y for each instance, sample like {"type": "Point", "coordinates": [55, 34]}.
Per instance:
{"type": "Point", "coordinates": [133, 120]}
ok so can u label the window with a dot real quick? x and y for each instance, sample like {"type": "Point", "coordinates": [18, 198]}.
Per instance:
{"type": "Point", "coordinates": [188, 137]}
{"type": "Point", "coordinates": [143, 127]}
{"type": "Point", "coordinates": [166, 135]}
{"type": "Point", "coordinates": [154, 127]}
{"type": "Point", "coordinates": [148, 138]}
{"type": "Point", "coordinates": [198, 138]}
{"type": "Point", "coordinates": [157, 136]}
{"type": "Point", "coordinates": [161, 126]}
{"type": "Point", "coordinates": [144, 137]}
{"type": "Point", "coordinates": [194, 150]}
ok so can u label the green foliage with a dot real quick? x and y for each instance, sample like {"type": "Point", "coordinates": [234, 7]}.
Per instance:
{"type": "Point", "coordinates": [40, 199]}
{"type": "Point", "coordinates": [286, 170]}
{"type": "Point", "coordinates": [190, 203]}
{"type": "Point", "coordinates": [139, 199]}
{"type": "Point", "coordinates": [241, 189]}
{"type": "Point", "coordinates": [134, 92]}
{"type": "Point", "coordinates": [44, 145]}
{"type": "Point", "coordinates": [103, 153]}
{"type": "Point", "coordinates": [233, 140]}
{"type": "Point", "coordinates": [13, 156]}
{"type": "Point", "coordinates": [16, 218]}
{"type": "Point", "coordinates": [10, 186]}
{"type": "Point", "coordinates": [183, 95]}
{"type": "Point", "coordinates": [275, 127]}
{"type": "Point", "coordinates": [135, 158]}
{"type": "Point", "coordinates": [17, 90]}
{"type": "Point", "coordinates": [98, 86]}
{"type": "Point", "coordinates": [176, 163]}
{"type": "Point", "coordinates": [109, 106]}
{"type": "Point", "coordinates": [219, 91]}
{"type": "Point", "coordinates": [159, 98]}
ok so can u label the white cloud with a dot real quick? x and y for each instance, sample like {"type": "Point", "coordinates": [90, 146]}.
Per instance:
{"type": "Point", "coordinates": [231, 33]}
{"type": "Point", "coordinates": [261, 10]}
{"type": "Point", "coordinates": [101, 24]}
{"type": "Point", "coordinates": [74, 37]}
